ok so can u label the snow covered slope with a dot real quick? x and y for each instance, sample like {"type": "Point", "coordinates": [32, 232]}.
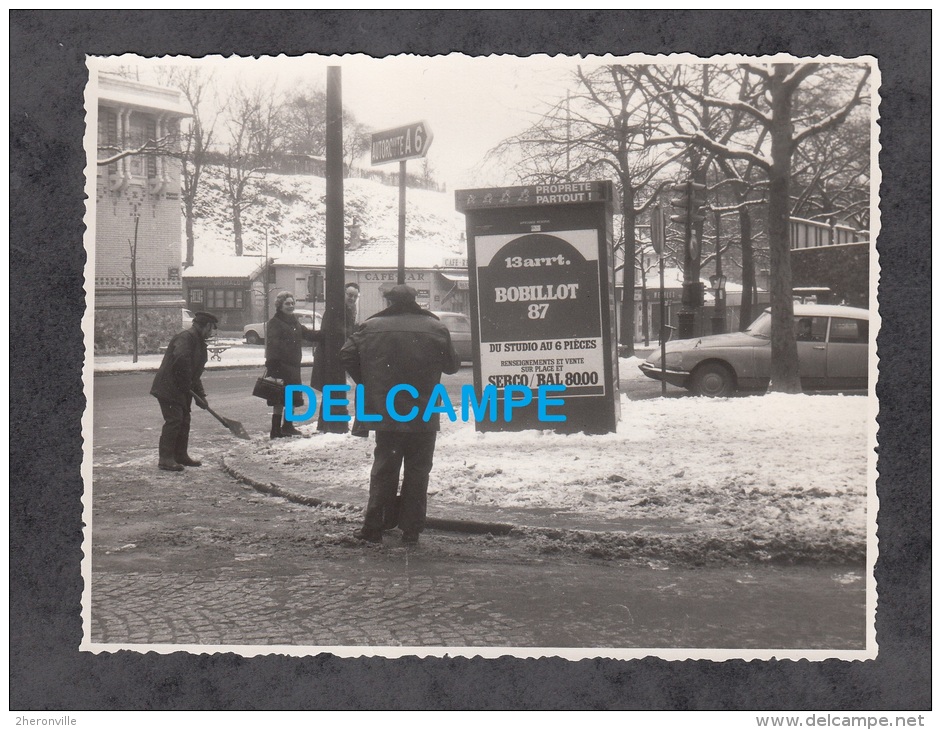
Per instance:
{"type": "Point", "coordinates": [294, 210]}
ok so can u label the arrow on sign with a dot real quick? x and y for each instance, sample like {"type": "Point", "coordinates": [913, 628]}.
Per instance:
{"type": "Point", "coordinates": [401, 143]}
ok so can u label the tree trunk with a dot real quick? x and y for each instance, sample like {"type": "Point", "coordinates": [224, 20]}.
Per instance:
{"type": "Point", "coordinates": [785, 371]}
{"type": "Point", "coordinates": [644, 315]}
{"type": "Point", "coordinates": [630, 251]}
{"type": "Point", "coordinates": [746, 313]}
{"type": "Point", "coordinates": [188, 215]}
{"type": "Point", "coordinates": [237, 227]}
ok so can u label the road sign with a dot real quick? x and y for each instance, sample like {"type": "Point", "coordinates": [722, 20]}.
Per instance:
{"type": "Point", "coordinates": [657, 229]}
{"type": "Point", "coordinates": [401, 143]}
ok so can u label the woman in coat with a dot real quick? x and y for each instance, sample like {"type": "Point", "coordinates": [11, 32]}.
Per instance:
{"type": "Point", "coordinates": [284, 340]}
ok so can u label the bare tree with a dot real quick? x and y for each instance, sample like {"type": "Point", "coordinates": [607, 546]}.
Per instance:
{"type": "Point", "coordinates": [747, 193]}
{"type": "Point", "coordinates": [357, 138]}
{"type": "Point", "coordinates": [684, 114]}
{"type": "Point", "coordinates": [304, 114]}
{"type": "Point", "coordinates": [195, 141]}
{"type": "Point", "coordinates": [831, 174]}
{"type": "Point", "coordinates": [788, 124]}
{"type": "Point", "coordinates": [305, 121]}
{"type": "Point", "coordinates": [254, 137]}
{"type": "Point", "coordinates": [602, 128]}
{"type": "Point", "coordinates": [645, 263]}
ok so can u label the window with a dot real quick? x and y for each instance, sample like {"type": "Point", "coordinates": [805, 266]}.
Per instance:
{"type": "Point", "coordinates": [151, 159]}
{"type": "Point", "coordinates": [196, 296]}
{"type": "Point", "coordinates": [142, 130]}
{"type": "Point", "coordinates": [457, 323]}
{"type": "Point", "coordinates": [849, 330]}
{"type": "Point", "coordinates": [811, 329]}
{"type": "Point", "coordinates": [108, 136]}
{"type": "Point", "coordinates": [224, 299]}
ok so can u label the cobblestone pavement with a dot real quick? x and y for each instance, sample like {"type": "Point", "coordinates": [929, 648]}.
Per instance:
{"type": "Point", "coordinates": [201, 559]}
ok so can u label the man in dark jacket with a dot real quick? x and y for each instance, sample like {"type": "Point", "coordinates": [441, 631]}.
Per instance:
{"type": "Point", "coordinates": [349, 307]}
{"type": "Point", "coordinates": [178, 377]}
{"type": "Point", "coordinates": [402, 344]}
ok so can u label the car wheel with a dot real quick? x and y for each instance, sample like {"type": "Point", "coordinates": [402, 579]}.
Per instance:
{"type": "Point", "coordinates": [252, 338]}
{"type": "Point", "coordinates": [713, 380]}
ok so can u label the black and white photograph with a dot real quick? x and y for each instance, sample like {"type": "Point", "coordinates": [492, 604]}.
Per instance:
{"type": "Point", "coordinates": [470, 360]}
{"type": "Point", "coordinates": [582, 352]}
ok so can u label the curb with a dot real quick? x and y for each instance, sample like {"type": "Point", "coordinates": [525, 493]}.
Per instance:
{"type": "Point", "coordinates": [694, 551]}
{"type": "Point", "coordinates": [155, 368]}
{"type": "Point", "coordinates": [471, 527]}
{"type": "Point", "coordinates": [209, 368]}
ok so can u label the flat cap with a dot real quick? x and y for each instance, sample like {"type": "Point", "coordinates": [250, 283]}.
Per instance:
{"type": "Point", "coordinates": [205, 318]}
{"type": "Point", "coordinates": [400, 293]}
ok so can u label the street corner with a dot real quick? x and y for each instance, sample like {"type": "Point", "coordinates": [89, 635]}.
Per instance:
{"type": "Point", "coordinates": [305, 470]}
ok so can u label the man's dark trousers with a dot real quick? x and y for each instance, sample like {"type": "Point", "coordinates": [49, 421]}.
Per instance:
{"type": "Point", "coordinates": [417, 450]}
{"type": "Point", "coordinates": [175, 436]}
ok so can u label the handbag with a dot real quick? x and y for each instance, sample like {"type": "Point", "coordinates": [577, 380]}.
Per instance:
{"type": "Point", "coordinates": [269, 389]}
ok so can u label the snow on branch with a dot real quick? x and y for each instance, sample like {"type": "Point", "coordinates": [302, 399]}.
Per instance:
{"type": "Point", "coordinates": [161, 146]}
{"type": "Point", "coordinates": [710, 145]}
{"type": "Point", "coordinates": [757, 70]}
{"type": "Point", "coordinates": [837, 117]}
{"type": "Point", "coordinates": [737, 105]}
{"type": "Point", "coordinates": [801, 72]}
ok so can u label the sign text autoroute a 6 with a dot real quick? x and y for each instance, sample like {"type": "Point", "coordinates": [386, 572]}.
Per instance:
{"type": "Point", "coordinates": [401, 143]}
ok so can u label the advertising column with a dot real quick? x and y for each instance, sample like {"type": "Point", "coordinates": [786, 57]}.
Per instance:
{"type": "Point", "coordinates": [542, 282]}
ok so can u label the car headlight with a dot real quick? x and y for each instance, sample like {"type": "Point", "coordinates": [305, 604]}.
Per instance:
{"type": "Point", "coordinates": [674, 360]}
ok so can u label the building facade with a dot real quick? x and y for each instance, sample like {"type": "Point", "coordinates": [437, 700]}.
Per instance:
{"type": "Point", "coordinates": [232, 288]}
{"type": "Point", "coordinates": [137, 217]}
{"type": "Point", "coordinates": [441, 287]}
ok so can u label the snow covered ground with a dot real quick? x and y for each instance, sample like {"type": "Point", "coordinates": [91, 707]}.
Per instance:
{"type": "Point", "coordinates": [238, 354]}
{"type": "Point", "coordinates": [772, 467]}
{"type": "Point", "coordinates": [764, 467]}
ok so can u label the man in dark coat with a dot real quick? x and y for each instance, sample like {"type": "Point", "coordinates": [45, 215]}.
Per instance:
{"type": "Point", "coordinates": [402, 344]}
{"type": "Point", "coordinates": [351, 295]}
{"type": "Point", "coordinates": [178, 377]}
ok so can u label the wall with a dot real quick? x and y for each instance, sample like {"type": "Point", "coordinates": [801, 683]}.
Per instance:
{"type": "Point", "coordinates": [433, 288]}
{"type": "Point", "coordinates": [143, 189]}
{"type": "Point", "coordinates": [844, 269]}
{"type": "Point", "coordinates": [157, 323]}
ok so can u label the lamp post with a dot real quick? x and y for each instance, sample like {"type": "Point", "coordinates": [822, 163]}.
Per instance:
{"type": "Point", "coordinates": [267, 277]}
{"type": "Point", "coordinates": [718, 286]}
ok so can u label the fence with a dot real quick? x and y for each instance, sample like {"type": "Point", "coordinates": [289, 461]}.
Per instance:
{"type": "Point", "coordinates": [811, 234]}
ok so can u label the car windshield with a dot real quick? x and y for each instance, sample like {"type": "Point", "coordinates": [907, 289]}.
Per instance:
{"type": "Point", "coordinates": [457, 324]}
{"type": "Point", "coordinates": [761, 327]}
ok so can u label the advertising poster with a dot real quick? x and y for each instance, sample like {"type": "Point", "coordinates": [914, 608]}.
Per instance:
{"type": "Point", "coordinates": [540, 311]}
{"type": "Point", "coordinates": [542, 301]}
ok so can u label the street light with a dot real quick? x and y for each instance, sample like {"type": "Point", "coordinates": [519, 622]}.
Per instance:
{"type": "Point", "coordinates": [267, 277]}
{"type": "Point", "coordinates": [717, 282]}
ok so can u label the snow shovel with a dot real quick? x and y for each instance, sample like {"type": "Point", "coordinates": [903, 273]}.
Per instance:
{"type": "Point", "coordinates": [234, 426]}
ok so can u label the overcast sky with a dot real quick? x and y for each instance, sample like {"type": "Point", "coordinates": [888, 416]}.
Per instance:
{"type": "Point", "coordinates": [471, 104]}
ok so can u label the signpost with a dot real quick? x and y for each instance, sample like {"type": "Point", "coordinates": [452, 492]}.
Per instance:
{"type": "Point", "coordinates": [400, 144]}
{"type": "Point", "coordinates": [542, 298]}
{"type": "Point", "coordinates": [658, 239]}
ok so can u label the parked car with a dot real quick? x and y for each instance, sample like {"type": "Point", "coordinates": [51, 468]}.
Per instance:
{"type": "Point", "coordinates": [187, 318]}
{"type": "Point", "coordinates": [832, 349]}
{"type": "Point", "coordinates": [460, 327]}
{"type": "Point", "coordinates": [255, 333]}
